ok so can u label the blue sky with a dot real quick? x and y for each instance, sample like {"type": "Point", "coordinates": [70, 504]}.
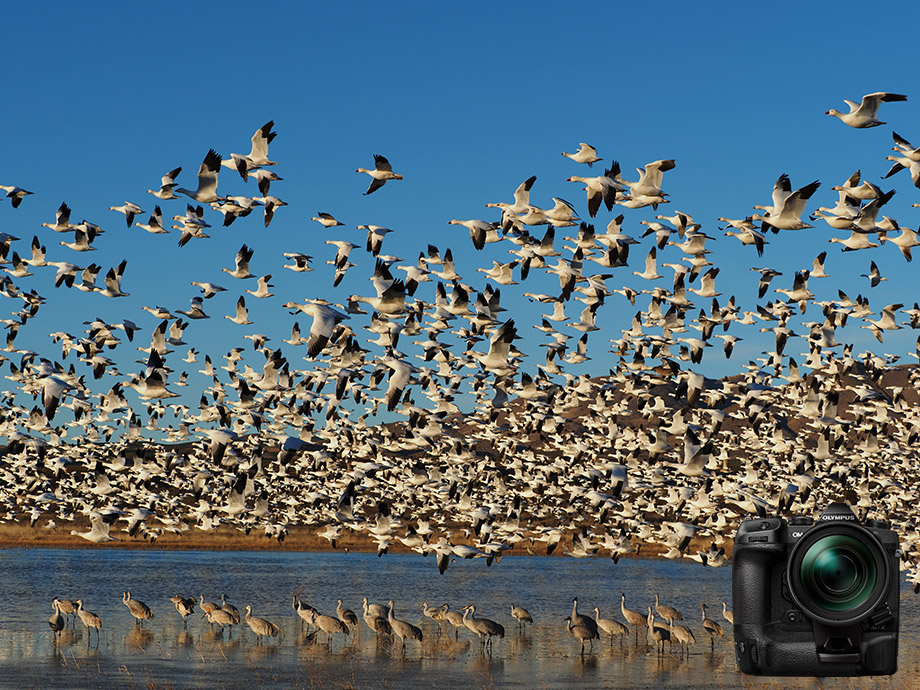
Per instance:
{"type": "Point", "coordinates": [101, 100]}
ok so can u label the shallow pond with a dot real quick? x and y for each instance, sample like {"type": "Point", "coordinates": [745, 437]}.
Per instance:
{"type": "Point", "coordinates": [167, 653]}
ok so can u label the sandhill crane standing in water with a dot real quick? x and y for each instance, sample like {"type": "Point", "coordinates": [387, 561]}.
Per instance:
{"type": "Point", "coordinates": [230, 608]}
{"type": "Point", "coordinates": [304, 611]}
{"type": "Point", "coordinates": [581, 633]}
{"type": "Point", "coordinates": [578, 619]}
{"type": "Point", "coordinates": [484, 627]}
{"type": "Point", "coordinates": [207, 606]}
{"type": "Point", "coordinates": [223, 618]}
{"type": "Point", "coordinates": [634, 618]}
{"type": "Point", "coordinates": [656, 633]}
{"type": "Point", "coordinates": [69, 608]}
{"type": "Point", "coordinates": [712, 628]}
{"type": "Point", "coordinates": [609, 626]}
{"type": "Point", "coordinates": [437, 615]}
{"type": "Point", "coordinates": [683, 635]}
{"type": "Point", "coordinates": [728, 615]}
{"type": "Point", "coordinates": [403, 629]}
{"type": "Point", "coordinates": [347, 616]}
{"type": "Point", "coordinates": [330, 625]}
{"type": "Point", "coordinates": [138, 609]}
{"type": "Point", "coordinates": [669, 613]}
{"type": "Point", "coordinates": [90, 620]}
{"type": "Point", "coordinates": [184, 607]}
{"type": "Point", "coordinates": [377, 623]}
{"type": "Point", "coordinates": [521, 615]}
{"type": "Point", "coordinates": [260, 626]}
{"type": "Point", "coordinates": [455, 618]}
{"type": "Point", "coordinates": [57, 619]}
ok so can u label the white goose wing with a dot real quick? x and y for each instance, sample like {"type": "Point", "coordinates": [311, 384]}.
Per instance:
{"type": "Point", "coordinates": [170, 177]}
{"type": "Point", "coordinates": [324, 323]}
{"type": "Point", "coordinates": [795, 202]}
{"type": "Point", "coordinates": [781, 189]}
{"type": "Point", "coordinates": [260, 141]}
{"type": "Point", "coordinates": [871, 101]}
{"type": "Point", "coordinates": [207, 173]}
{"type": "Point", "coordinates": [522, 193]}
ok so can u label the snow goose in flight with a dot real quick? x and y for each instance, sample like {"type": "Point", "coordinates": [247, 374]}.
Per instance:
{"type": "Point", "coordinates": [905, 147]}
{"type": "Point", "coordinates": [262, 287]}
{"type": "Point", "coordinates": [264, 179]}
{"type": "Point", "coordinates": [863, 114]}
{"type": "Point", "coordinates": [113, 281]}
{"type": "Point", "coordinates": [207, 180]}
{"type": "Point", "coordinates": [38, 253]}
{"type": "Point", "coordinates": [904, 241]}
{"type": "Point", "coordinates": [195, 310]}
{"type": "Point", "coordinates": [325, 319]}
{"type": "Point", "coordinates": [327, 220]}
{"type": "Point", "coordinates": [61, 219]}
{"type": "Point", "coordinates": [20, 267]}
{"type": "Point", "coordinates": [242, 313]}
{"type": "Point", "coordinates": [902, 163]}
{"type": "Point", "coordinates": [208, 289]}
{"type": "Point", "coordinates": [258, 154]}
{"type": "Point", "coordinates": [481, 232]}
{"type": "Point", "coordinates": [130, 210]}
{"type": "Point", "coordinates": [562, 214]}
{"type": "Point", "coordinates": [855, 189]}
{"type": "Point", "coordinates": [375, 235]}
{"type": "Point", "coordinates": [301, 261]}
{"type": "Point", "coordinates": [875, 277]}
{"type": "Point", "coordinates": [234, 207]}
{"type": "Point", "coordinates": [585, 154]}
{"type": "Point", "coordinates": [155, 223]}
{"type": "Point", "coordinates": [15, 194]}
{"type": "Point", "coordinates": [390, 299]}
{"type": "Point", "coordinates": [498, 359]}
{"type": "Point", "coordinates": [81, 241]}
{"type": "Point", "coordinates": [866, 220]}
{"type": "Point", "coordinates": [749, 236]}
{"type": "Point", "coordinates": [501, 273]}
{"type": "Point", "coordinates": [167, 185]}
{"type": "Point", "coordinates": [649, 182]}
{"type": "Point", "coordinates": [153, 387]}
{"type": "Point", "coordinates": [382, 172]}
{"type": "Point", "coordinates": [787, 208]}
{"type": "Point", "coordinates": [271, 204]}
{"type": "Point", "coordinates": [521, 202]}
{"type": "Point", "coordinates": [241, 270]}
{"type": "Point", "coordinates": [99, 530]}
{"type": "Point", "coordinates": [601, 189]}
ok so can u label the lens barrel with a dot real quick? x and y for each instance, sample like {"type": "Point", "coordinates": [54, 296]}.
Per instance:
{"type": "Point", "coordinates": [838, 573]}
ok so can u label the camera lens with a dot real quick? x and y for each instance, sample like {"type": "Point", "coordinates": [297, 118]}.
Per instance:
{"type": "Point", "coordinates": [838, 573]}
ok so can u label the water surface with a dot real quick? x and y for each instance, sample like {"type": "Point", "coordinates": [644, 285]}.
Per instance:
{"type": "Point", "coordinates": [165, 653]}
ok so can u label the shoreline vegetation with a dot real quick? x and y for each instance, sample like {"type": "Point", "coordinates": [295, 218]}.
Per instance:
{"type": "Point", "coordinates": [227, 538]}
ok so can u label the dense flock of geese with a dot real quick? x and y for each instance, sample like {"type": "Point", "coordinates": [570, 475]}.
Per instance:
{"type": "Point", "coordinates": [651, 453]}
{"type": "Point", "coordinates": [382, 621]}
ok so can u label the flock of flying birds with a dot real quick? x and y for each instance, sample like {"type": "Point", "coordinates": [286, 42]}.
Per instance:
{"type": "Point", "coordinates": [652, 453]}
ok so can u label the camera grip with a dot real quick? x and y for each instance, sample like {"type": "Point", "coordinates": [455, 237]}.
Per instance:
{"type": "Point", "coordinates": [751, 585]}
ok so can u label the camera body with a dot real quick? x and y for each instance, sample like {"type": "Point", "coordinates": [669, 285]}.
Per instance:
{"type": "Point", "coordinates": [816, 598]}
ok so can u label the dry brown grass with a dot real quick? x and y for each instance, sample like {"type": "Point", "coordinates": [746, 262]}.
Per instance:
{"type": "Point", "coordinates": [226, 538]}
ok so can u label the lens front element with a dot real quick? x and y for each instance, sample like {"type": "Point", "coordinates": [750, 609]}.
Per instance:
{"type": "Point", "coordinates": [838, 573]}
